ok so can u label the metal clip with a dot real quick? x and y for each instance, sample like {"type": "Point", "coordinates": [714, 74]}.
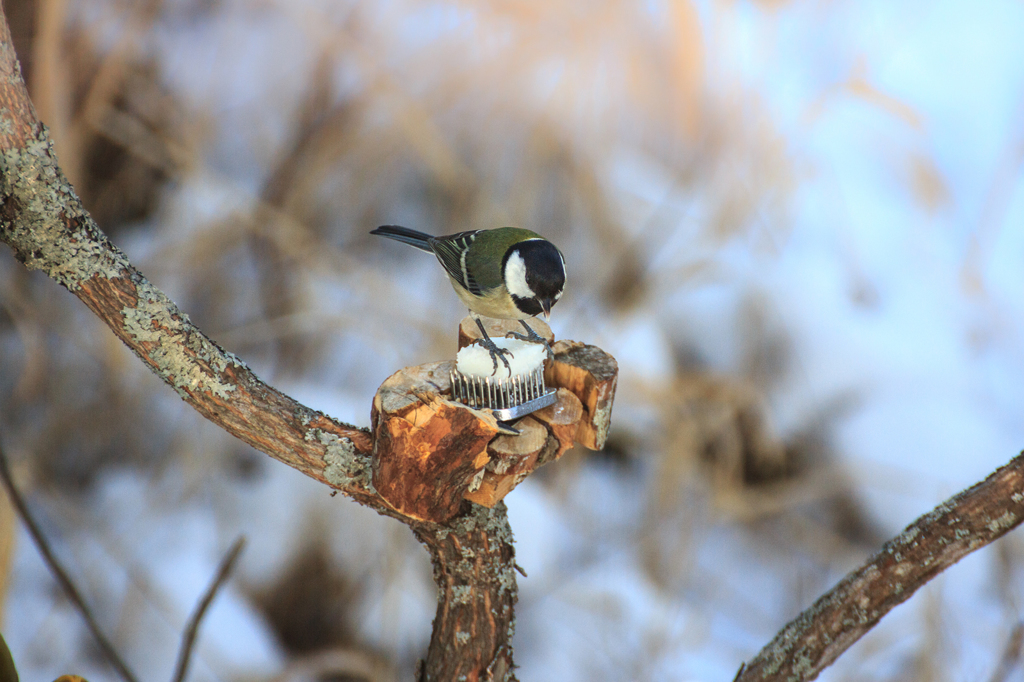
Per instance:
{"type": "Point", "coordinates": [507, 399]}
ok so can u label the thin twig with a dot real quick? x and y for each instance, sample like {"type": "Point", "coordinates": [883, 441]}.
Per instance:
{"type": "Point", "coordinates": [188, 639]}
{"type": "Point", "coordinates": [60, 574]}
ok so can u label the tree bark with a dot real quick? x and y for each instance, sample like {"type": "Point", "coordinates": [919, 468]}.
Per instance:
{"type": "Point", "coordinates": [44, 223]}
{"type": "Point", "coordinates": [931, 544]}
{"type": "Point", "coordinates": [474, 569]}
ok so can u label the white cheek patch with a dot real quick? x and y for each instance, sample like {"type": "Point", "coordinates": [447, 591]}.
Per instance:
{"type": "Point", "coordinates": [515, 276]}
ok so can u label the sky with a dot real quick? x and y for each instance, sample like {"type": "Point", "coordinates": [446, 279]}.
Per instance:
{"type": "Point", "coordinates": [874, 153]}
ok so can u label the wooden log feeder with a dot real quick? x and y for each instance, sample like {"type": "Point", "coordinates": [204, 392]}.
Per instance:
{"type": "Point", "coordinates": [431, 452]}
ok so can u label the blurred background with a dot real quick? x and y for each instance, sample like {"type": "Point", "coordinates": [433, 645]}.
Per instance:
{"type": "Point", "coordinates": [797, 225]}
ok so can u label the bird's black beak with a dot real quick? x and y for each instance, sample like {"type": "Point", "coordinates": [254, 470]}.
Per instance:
{"type": "Point", "coordinates": [545, 306]}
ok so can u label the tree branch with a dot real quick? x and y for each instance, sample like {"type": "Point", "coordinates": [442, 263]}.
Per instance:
{"type": "Point", "coordinates": [188, 640]}
{"type": "Point", "coordinates": [62, 577]}
{"type": "Point", "coordinates": [962, 524]}
{"type": "Point", "coordinates": [43, 221]}
{"type": "Point", "coordinates": [472, 623]}
{"type": "Point", "coordinates": [45, 224]}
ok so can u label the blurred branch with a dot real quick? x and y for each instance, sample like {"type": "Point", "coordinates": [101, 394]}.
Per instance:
{"type": "Point", "coordinates": [962, 524]}
{"type": "Point", "coordinates": [227, 564]}
{"type": "Point", "coordinates": [1011, 654]}
{"type": "Point", "coordinates": [44, 223]}
{"type": "Point", "coordinates": [60, 574]}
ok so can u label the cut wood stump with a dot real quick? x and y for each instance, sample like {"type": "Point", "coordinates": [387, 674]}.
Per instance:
{"type": "Point", "coordinates": [513, 458]}
{"type": "Point", "coordinates": [427, 448]}
{"type": "Point", "coordinates": [431, 452]}
{"type": "Point", "coordinates": [563, 420]}
{"type": "Point", "coordinates": [590, 374]}
{"type": "Point", "coordinates": [469, 332]}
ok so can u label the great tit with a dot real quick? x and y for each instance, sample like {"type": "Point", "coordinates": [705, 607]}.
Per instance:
{"type": "Point", "coordinates": [508, 273]}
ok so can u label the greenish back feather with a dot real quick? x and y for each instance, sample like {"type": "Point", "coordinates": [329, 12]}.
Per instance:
{"type": "Point", "coordinates": [489, 247]}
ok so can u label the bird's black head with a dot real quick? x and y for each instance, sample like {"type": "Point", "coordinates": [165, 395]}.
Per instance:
{"type": "Point", "coordinates": [534, 273]}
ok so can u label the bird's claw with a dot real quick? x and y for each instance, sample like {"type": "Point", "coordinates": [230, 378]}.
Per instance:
{"type": "Point", "coordinates": [492, 348]}
{"type": "Point", "coordinates": [497, 354]}
{"type": "Point", "coordinates": [533, 337]}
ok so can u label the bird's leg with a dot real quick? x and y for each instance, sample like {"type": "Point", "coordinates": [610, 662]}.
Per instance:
{"type": "Point", "coordinates": [533, 337]}
{"type": "Point", "coordinates": [492, 348]}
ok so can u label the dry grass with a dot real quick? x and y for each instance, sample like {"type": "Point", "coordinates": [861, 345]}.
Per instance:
{"type": "Point", "coordinates": [253, 209]}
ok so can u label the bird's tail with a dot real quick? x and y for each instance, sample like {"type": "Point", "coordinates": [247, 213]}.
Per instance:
{"type": "Point", "coordinates": [403, 234]}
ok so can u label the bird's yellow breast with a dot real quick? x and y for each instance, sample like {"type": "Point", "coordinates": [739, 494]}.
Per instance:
{"type": "Point", "coordinates": [495, 302]}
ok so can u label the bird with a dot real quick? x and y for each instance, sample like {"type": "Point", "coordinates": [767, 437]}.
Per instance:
{"type": "Point", "coordinates": [508, 273]}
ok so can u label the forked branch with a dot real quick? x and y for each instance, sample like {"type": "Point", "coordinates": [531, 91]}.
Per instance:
{"type": "Point", "coordinates": [44, 223]}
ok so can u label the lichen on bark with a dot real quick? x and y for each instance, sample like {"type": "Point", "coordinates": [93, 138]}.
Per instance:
{"type": "Point", "coordinates": [344, 466]}
{"type": "Point", "coordinates": [44, 222]}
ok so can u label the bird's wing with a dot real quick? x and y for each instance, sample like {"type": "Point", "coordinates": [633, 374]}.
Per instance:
{"type": "Point", "coordinates": [451, 252]}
